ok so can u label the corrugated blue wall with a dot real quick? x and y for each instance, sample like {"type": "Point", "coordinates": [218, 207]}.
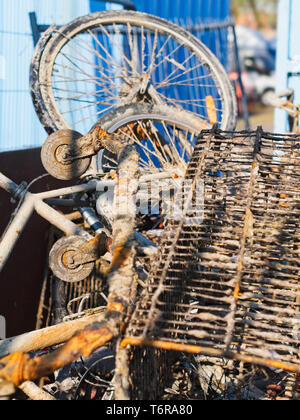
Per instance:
{"type": "Point", "coordinates": [190, 12]}
{"type": "Point", "coordinates": [185, 9]}
{"type": "Point", "coordinates": [19, 126]}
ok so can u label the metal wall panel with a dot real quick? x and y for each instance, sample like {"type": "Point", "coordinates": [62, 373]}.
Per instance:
{"type": "Point", "coordinates": [21, 278]}
{"type": "Point", "coordinates": [185, 9]}
{"type": "Point", "coordinates": [188, 13]}
{"type": "Point", "coordinates": [288, 56]}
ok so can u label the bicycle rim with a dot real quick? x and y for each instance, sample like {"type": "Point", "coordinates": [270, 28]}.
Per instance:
{"type": "Point", "coordinates": [165, 137]}
{"type": "Point", "coordinates": [106, 59]}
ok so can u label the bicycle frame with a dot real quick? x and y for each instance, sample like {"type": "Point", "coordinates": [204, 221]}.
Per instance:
{"type": "Point", "coordinates": [35, 203]}
{"type": "Point", "coordinates": [41, 204]}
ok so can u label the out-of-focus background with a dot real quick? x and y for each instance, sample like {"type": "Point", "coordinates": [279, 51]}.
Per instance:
{"type": "Point", "coordinates": [256, 41]}
{"type": "Point", "coordinates": [256, 29]}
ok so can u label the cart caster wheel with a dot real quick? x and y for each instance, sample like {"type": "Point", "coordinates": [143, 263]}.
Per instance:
{"type": "Point", "coordinates": [57, 152]}
{"type": "Point", "coordinates": [60, 260]}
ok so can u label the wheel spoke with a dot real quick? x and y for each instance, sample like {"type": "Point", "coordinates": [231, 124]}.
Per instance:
{"type": "Point", "coordinates": [126, 59]}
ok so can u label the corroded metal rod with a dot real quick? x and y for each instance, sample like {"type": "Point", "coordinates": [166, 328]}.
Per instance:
{"type": "Point", "coordinates": [46, 337]}
{"type": "Point", "coordinates": [188, 348]}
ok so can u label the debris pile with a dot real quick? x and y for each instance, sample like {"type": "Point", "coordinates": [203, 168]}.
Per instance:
{"type": "Point", "coordinates": [174, 257]}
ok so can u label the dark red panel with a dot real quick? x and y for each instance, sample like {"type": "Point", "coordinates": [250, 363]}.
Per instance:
{"type": "Point", "coordinates": [21, 279]}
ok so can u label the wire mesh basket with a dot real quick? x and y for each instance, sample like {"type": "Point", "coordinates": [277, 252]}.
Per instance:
{"type": "Point", "coordinates": [226, 281]}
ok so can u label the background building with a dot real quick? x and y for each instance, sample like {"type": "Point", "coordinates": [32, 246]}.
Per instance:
{"type": "Point", "coordinates": [288, 56]}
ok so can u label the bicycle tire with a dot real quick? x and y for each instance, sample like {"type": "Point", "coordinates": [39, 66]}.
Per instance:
{"type": "Point", "coordinates": [53, 118]}
{"type": "Point", "coordinates": [153, 210]}
{"type": "Point", "coordinates": [168, 117]}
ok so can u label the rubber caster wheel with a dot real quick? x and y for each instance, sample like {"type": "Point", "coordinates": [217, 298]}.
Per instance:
{"type": "Point", "coordinates": [60, 260]}
{"type": "Point", "coordinates": [57, 151]}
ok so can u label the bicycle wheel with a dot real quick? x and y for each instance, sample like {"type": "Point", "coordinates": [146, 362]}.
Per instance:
{"type": "Point", "coordinates": [165, 136]}
{"type": "Point", "coordinates": [165, 139]}
{"type": "Point", "coordinates": [106, 59]}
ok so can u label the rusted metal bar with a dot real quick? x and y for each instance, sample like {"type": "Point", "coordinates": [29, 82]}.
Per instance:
{"type": "Point", "coordinates": [189, 348]}
{"type": "Point", "coordinates": [19, 367]}
{"type": "Point", "coordinates": [122, 283]}
{"type": "Point", "coordinates": [247, 231]}
{"type": "Point", "coordinates": [122, 384]}
{"type": "Point", "coordinates": [46, 337]}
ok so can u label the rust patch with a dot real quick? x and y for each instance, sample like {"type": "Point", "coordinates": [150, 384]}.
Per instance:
{"type": "Point", "coordinates": [211, 109]}
{"type": "Point", "coordinates": [188, 348]}
{"type": "Point", "coordinates": [120, 256]}
{"type": "Point", "coordinates": [115, 306]}
{"type": "Point", "coordinates": [18, 367]}
{"type": "Point", "coordinates": [12, 367]}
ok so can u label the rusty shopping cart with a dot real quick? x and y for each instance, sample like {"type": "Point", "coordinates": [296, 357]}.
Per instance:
{"type": "Point", "coordinates": [226, 283]}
